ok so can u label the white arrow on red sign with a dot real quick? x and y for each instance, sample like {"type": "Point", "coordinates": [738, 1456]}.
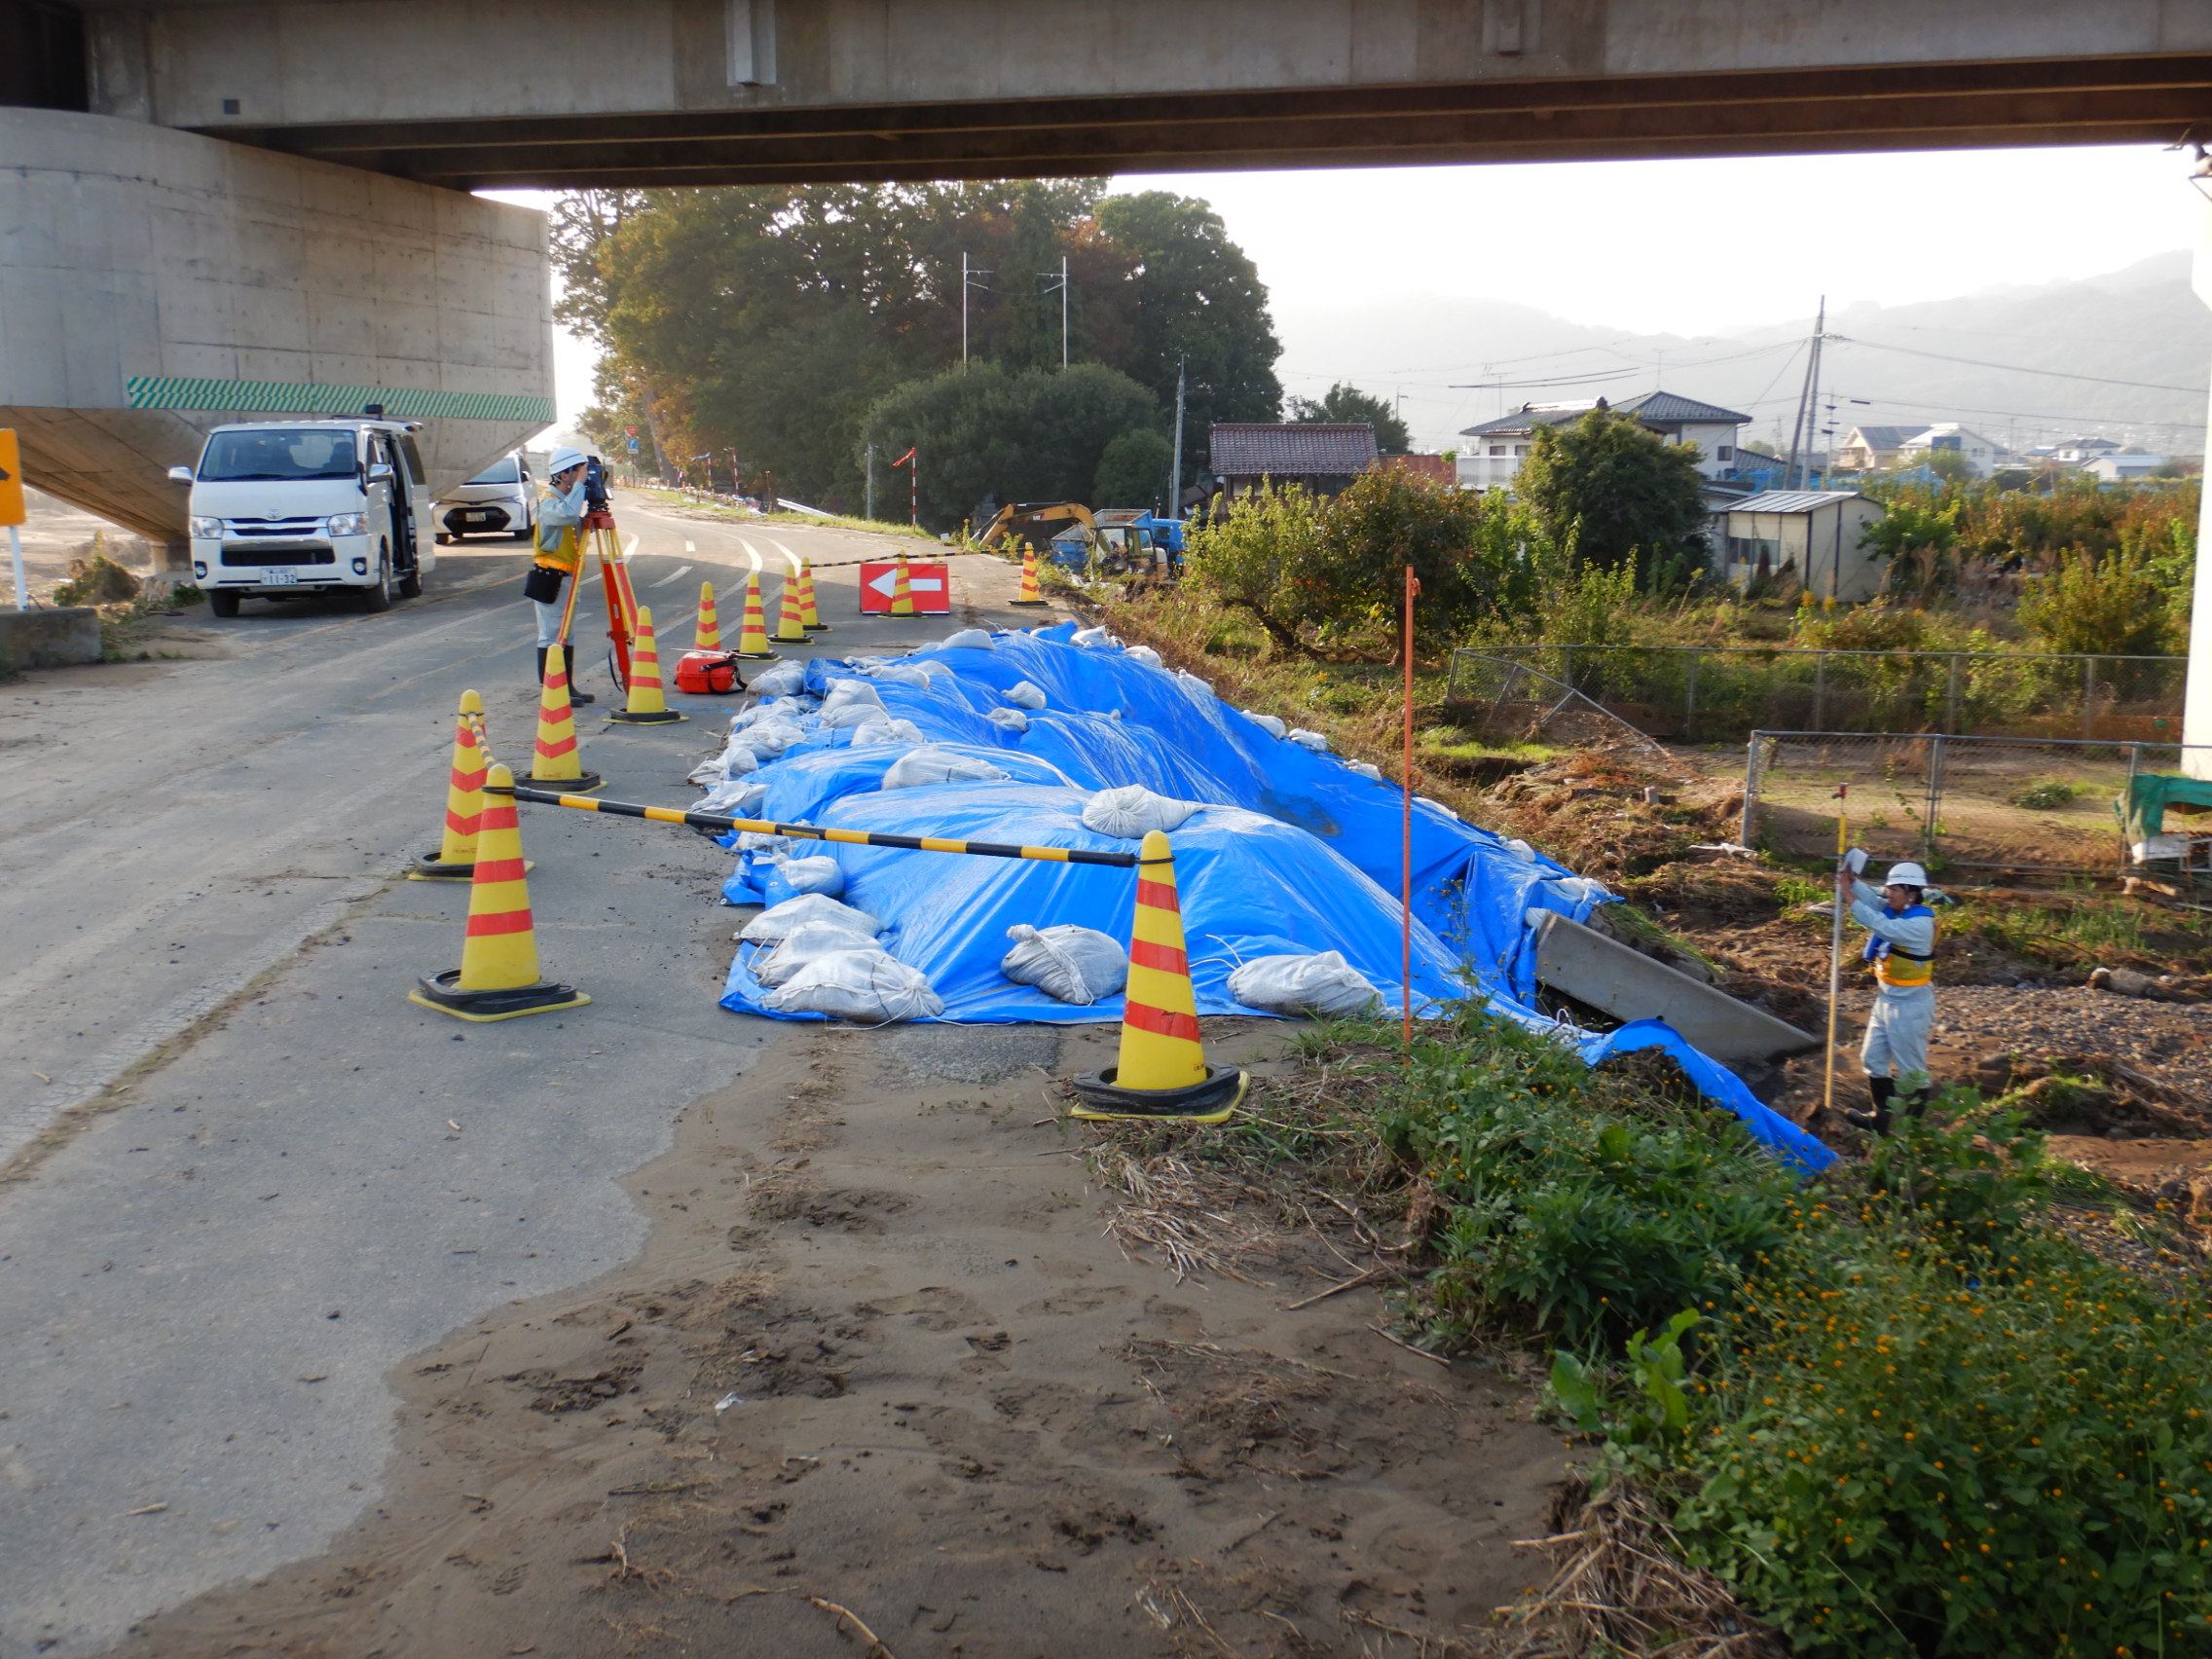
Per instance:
{"type": "Point", "coordinates": [889, 581]}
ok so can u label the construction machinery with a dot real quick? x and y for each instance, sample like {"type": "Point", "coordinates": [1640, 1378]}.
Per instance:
{"type": "Point", "coordinates": [1116, 541]}
{"type": "Point", "coordinates": [1034, 521]}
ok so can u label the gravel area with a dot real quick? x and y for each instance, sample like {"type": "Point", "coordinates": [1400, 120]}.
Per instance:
{"type": "Point", "coordinates": [2172, 1041]}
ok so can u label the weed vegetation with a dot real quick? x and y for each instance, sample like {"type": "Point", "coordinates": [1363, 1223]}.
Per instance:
{"type": "Point", "coordinates": [1893, 1408]}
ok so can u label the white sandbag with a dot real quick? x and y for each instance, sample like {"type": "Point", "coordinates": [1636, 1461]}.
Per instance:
{"type": "Point", "coordinates": [739, 797]}
{"type": "Point", "coordinates": [787, 709]}
{"type": "Point", "coordinates": [846, 694]}
{"type": "Point", "coordinates": [708, 772]}
{"type": "Point", "coordinates": [1096, 639]}
{"type": "Point", "coordinates": [779, 681]}
{"type": "Point", "coordinates": [769, 738]}
{"type": "Point", "coordinates": [1067, 963]}
{"type": "Point", "coordinates": [774, 964]}
{"type": "Point", "coordinates": [1133, 811]}
{"type": "Point", "coordinates": [849, 716]}
{"type": "Point", "coordinates": [1313, 740]}
{"type": "Point", "coordinates": [771, 925]}
{"type": "Point", "coordinates": [735, 761]}
{"type": "Point", "coordinates": [816, 873]}
{"type": "Point", "coordinates": [761, 842]}
{"type": "Point", "coordinates": [1268, 723]}
{"type": "Point", "coordinates": [1012, 720]}
{"type": "Point", "coordinates": [1144, 654]}
{"type": "Point", "coordinates": [1192, 684]}
{"type": "Point", "coordinates": [1324, 986]}
{"type": "Point", "coordinates": [907, 673]}
{"type": "Point", "coordinates": [1432, 800]}
{"type": "Point", "coordinates": [936, 764]}
{"type": "Point", "coordinates": [1365, 770]}
{"type": "Point", "coordinates": [870, 986]}
{"type": "Point", "coordinates": [1025, 695]}
{"type": "Point", "coordinates": [1521, 850]}
{"type": "Point", "coordinates": [968, 640]}
{"type": "Point", "coordinates": [885, 732]}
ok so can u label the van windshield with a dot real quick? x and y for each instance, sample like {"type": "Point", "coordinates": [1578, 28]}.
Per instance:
{"type": "Point", "coordinates": [298, 452]}
{"type": "Point", "coordinates": [500, 472]}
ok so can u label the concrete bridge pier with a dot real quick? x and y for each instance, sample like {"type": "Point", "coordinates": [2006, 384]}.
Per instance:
{"type": "Point", "coordinates": [155, 284]}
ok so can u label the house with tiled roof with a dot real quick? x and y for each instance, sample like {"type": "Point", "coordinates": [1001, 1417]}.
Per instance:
{"type": "Point", "coordinates": [1320, 455]}
{"type": "Point", "coordinates": [1490, 451]}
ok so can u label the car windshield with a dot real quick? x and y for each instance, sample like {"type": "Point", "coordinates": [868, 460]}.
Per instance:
{"type": "Point", "coordinates": [299, 451]}
{"type": "Point", "coordinates": [499, 472]}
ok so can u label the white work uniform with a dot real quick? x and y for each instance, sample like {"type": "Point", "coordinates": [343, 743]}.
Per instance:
{"type": "Point", "coordinates": [556, 514]}
{"type": "Point", "coordinates": [1903, 1016]}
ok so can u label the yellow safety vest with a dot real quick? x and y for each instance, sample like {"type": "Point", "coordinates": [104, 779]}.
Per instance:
{"type": "Point", "coordinates": [1897, 967]}
{"type": "Point", "coordinates": [567, 551]}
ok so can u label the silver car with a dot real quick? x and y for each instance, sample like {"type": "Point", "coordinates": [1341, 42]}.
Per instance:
{"type": "Point", "coordinates": [498, 501]}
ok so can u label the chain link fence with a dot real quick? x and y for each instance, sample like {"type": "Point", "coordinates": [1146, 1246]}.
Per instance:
{"type": "Point", "coordinates": [1510, 702]}
{"type": "Point", "coordinates": [1957, 802]}
{"type": "Point", "coordinates": [1723, 693]}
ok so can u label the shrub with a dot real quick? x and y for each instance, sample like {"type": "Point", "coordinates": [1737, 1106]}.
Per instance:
{"type": "Point", "coordinates": [2110, 604]}
{"type": "Point", "coordinates": [1565, 1214]}
{"type": "Point", "coordinates": [96, 580]}
{"type": "Point", "coordinates": [2046, 795]}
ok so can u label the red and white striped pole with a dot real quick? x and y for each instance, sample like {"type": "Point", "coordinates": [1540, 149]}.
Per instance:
{"type": "Point", "coordinates": [913, 486]}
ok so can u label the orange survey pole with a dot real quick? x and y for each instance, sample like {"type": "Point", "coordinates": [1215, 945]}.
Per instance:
{"type": "Point", "coordinates": [1835, 942]}
{"type": "Point", "coordinates": [1406, 874]}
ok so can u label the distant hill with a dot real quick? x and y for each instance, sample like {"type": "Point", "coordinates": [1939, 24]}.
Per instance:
{"type": "Point", "coordinates": [2141, 324]}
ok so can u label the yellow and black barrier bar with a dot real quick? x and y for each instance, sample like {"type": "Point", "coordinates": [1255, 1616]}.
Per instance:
{"type": "Point", "coordinates": [816, 833]}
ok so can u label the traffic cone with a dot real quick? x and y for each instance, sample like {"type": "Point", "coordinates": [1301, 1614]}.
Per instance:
{"type": "Point", "coordinates": [790, 622]}
{"type": "Point", "coordinates": [1030, 593]}
{"type": "Point", "coordinates": [555, 762]}
{"type": "Point", "coordinates": [1163, 1070]}
{"type": "Point", "coordinates": [649, 706]}
{"type": "Point", "coordinates": [901, 599]}
{"type": "Point", "coordinates": [498, 975]}
{"type": "Point", "coordinates": [809, 618]}
{"type": "Point", "coordinates": [753, 633]}
{"type": "Point", "coordinates": [707, 635]}
{"type": "Point", "coordinates": [455, 857]}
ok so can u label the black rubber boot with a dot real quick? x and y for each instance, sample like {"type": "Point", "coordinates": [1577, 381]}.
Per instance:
{"type": "Point", "coordinates": [1876, 1122]}
{"type": "Point", "coordinates": [1915, 1105]}
{"type": "Point", "coordinates": [541, 665]}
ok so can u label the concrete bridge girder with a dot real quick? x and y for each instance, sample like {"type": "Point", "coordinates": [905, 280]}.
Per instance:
{"type": "Point", "coordinates": [156, 283]}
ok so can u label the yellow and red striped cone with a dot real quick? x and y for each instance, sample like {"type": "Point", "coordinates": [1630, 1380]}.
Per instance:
{"type": "Point", "coordinates": [790, 622]}
{"type": "Point", "coordinates": [901, 597]}
{"type": "Point", "coordinates": [1163, 1070]}
{"type": "Point", "coordinates": [648, 700]}
{"type": "Point", "coordinates": [455, 857]}
{"type": "Point", "coordinates": [753, 633]}
{"type": "Point", "coordinates": [809, 618]}
{"type": "Point", "coordinates": [555, 760]}
{"type": "Point", "coordinates": [1030, 592]}
{"type": "Point", "coordinates": [499, 974]}
{"type": "Point", "coordinates": [707, 635]}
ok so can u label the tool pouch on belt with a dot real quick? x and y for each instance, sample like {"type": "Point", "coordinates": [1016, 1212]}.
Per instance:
{"type": "Point", "coordinates": [707, 674]}
{"type": "Point", "coordinates": [544, 584]}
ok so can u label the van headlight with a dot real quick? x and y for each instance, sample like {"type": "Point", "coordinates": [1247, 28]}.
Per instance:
{"type": "Point", "coordinates": [205, 529]}
{"type": "Point", "coordinates": [348, 524]}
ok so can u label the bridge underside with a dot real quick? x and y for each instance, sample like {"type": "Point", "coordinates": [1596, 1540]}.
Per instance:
{"type": "Point", "coordinates": [2096, 100]}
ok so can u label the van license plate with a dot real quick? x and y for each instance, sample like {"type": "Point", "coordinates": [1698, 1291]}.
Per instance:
{"type": "Point", "coordinates": [280, 576]}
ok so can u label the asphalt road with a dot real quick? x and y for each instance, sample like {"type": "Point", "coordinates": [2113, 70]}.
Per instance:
{"type": "Point", "coordinates": [248, 1178]}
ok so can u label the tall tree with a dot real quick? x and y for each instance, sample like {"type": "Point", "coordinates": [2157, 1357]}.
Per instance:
{"type": "Point", "coordinates": [769, 320]}
{"type": "Point", "coordinates": [1619, 495]}
{"type": "Point", "coordinates": [1344, 402]}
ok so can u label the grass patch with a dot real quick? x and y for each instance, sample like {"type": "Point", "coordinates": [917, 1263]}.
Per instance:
{"type": "Point", "coordinates": [836, 521]}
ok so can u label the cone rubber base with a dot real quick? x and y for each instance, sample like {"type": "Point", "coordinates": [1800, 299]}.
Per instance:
{"type": "Point", "coordinates": [667, 717]}
{"type": "Point", "coordinates": [1030, 604]}
{"type": "Point", "coordinates": [429, 868]}
{"type": "Point", "coordinates": [786, 640]}
{"type": "Point", "coordinates": [482, 1006]}
{"type": "Point", "coordinates": [585, 785]}
{"type": "Point", "coordinates": [816, 627]}
{"type": "Point", "coordinates": [1099, 1100]}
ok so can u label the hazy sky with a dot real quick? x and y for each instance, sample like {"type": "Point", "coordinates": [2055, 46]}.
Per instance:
{"type": "Point", "coordinates": [1688, 247]}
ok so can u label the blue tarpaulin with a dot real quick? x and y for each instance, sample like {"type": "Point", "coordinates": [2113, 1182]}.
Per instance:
{"type": "Point", "coordinates": [1294, 853]}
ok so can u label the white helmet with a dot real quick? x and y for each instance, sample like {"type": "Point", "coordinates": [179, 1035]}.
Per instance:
{"type": "Point", "coordinates": [1907, 875]}
{"type": "Point", "coordinates": [563, 458]}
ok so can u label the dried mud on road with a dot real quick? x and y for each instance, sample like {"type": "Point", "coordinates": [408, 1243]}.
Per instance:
{"type": "Point", "coordinates": [882, 1383]}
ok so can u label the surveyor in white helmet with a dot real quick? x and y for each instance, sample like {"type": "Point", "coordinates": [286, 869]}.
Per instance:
{"type": "Point", "coordinates": [560, 556]}
{"type": "Point", "coordinates": [1900, 949]}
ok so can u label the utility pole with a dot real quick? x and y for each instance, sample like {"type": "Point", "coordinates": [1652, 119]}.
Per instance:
{"type": "Point", "coordinates": [1792, 479]}
{"type": "Point", "coordinates": [867, 509]}
{"type": "Point", "coordinates": [1175, 476]}
{"type": "Point", "coordinates": [1059, 279]}
{"type": "Point", "coordinates": [969, 276]}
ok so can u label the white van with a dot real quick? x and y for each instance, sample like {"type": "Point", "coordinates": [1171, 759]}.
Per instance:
{"type": "Point", "coordinates": [497, 501]}
{"type": "Point", "coordinates": [283, 509]}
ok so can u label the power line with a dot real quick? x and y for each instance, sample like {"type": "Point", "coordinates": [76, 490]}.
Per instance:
{"type": "Point", "coordinates": [2017, 368]}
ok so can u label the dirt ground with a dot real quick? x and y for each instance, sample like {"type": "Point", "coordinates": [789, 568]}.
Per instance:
{"type": "Point", "coordinates": [915, 1392]}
